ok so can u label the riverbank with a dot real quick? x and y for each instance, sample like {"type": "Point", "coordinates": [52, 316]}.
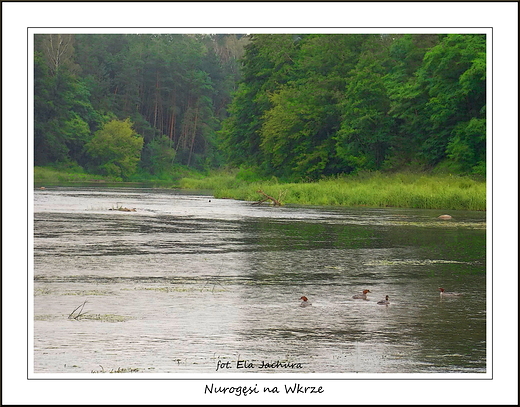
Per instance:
{"type": "Point", "coordinates": [51, 176]}
{"type": "Point", "coordinates": [48, 175]}
{"type": "Point", "coordinates": [402, 190]}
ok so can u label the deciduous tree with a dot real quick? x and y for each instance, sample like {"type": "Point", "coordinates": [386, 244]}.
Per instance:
{"type": "Point", "coordinates": [115, 149]}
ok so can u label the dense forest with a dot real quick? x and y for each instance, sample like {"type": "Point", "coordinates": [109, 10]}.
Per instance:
{"type": "Point", "coordinates": [298, 107]}
{"type": "Point", "coordinates": [120, 104]}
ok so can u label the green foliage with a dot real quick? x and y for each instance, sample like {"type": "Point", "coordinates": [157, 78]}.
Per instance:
{"type": "Point", "coordinates": [365, 136]}
{"type": "Point", "coordinates": [295, 131]}
{"type": "Point", "coordinates": [239, 136]}
{"type": "Point", "coordinates": [173, 85]}
{"type": "Point", "coordinates": [64, 173]}
{"type": "Point", "coordinates": [158, 156]}
{"type": "Point", "coordinates": [293, 106]}
{"type": "Point", "coordinates": [315, 105]}
{"type": "Point", "coordinates": [370, 189]}
{"type": "Point", "coordinates": [249, 174]}
{"type": "Point", "coordinates": [467, 148]}
{"type": "Point", "coordinates": [115, 149]}
{"type": "Point", "coordinates": [77, 135]}
{"type": "Point", "coordinates": [453, 75]}
{"type": "Point", "coordinates": [63, 114]}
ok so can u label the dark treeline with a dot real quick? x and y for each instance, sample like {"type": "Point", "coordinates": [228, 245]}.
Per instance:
{"type": "Point", "coordinates": [317, 105]}
{"type": "Point", "coordinates": [170, 90]}
{"type": "Point", "coordinates": [294, 106]}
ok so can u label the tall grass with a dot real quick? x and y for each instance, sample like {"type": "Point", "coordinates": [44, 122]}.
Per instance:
{"type": "Point", "coordinates": [67, 173]}
{"type": "Point", "coordinates": [377, 190]}
{"type": "Point", "coordinates": [50, 175]}
{"type": "Point", "coordinates": [405, 190]}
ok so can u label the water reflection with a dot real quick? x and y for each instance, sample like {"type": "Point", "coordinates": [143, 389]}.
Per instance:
{"type": "Point", "coordinates": [195, 280]}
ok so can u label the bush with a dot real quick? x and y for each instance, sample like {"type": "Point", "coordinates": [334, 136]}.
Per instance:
{"type": "Point", "coordinates": [115, 149]}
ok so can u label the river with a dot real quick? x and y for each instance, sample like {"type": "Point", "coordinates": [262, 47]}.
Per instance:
{"type": "Point", "coordinates": [188, 283]}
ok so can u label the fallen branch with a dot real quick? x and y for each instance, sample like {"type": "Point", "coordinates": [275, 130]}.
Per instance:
{"type": "Point", "coordinates": [79, 313]}
{"type": "Point", "coordinates": [122, 209]}
{"type": "Point", "coordinates": [275, 201]}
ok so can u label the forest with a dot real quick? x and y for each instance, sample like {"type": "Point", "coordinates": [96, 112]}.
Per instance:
{"type": "Point", "coordinates": [299, 107]}
{"type": "Point", "coordinates": [119, 105]}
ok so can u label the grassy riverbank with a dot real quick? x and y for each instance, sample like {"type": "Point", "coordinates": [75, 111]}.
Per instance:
{"type": "Point", "coordinates": [49, 175]}
{"type": "Point", "coordinates": [65, 175]}
{"type": "Point", "coordinates": [404, 190]}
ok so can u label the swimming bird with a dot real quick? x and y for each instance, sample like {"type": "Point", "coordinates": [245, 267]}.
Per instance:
{"type": "Point", "coordinates": [384, 302]}
{"type": "Point", "coordinates": [361, 296]}
{"type": "Point", "coordinates": [449, 294]}
{"type": "Point", "coordinates": [305, 301]}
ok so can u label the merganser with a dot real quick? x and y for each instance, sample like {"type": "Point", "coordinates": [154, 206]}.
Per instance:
{"type": "Point", "coordinates": [384, 302]}
{"type": "Point", "coordinates": [447, 294]}
{"type": "Point", "coordinates": [361, 296]}
{"type": "Point", "coordinates": [305, 301]}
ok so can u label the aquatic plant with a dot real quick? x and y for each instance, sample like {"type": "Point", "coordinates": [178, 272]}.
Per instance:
{"type": "Point", "coordinates": [74, 315]}
{"type": "Point", "coordinates": [105, 317]}
{"type": "Point", "coordinates": [78, 314]}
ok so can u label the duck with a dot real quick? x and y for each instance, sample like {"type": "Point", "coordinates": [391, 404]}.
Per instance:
{"type": "Point", "coordinates": [449, 294]}
{"type": "Point", "coordinates": [384, 302]}
{"type": "Point", "coordinates": [361, 296]}
{"type": "Point", "coordinates": [305, 301]}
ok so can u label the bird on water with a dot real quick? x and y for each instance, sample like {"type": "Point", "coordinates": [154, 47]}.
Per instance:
{"type": "Point", "coordinates": [445, 293]}
{"type": "Point", "coordinates": [361, 296]}
{"type": "Point", "coordinates": [384, 302]}
{"type": "Point", "coordinates": [305, 301]}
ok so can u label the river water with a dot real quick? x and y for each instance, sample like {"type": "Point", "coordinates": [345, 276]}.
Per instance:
{"type": "Point", "coordinates": [188, 283]}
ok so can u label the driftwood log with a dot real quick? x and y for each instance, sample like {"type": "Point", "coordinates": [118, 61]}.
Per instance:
{"type": "Point", "coordinates": [123, 209]}
{"type": "Point", "coordinates": [275, 201]}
